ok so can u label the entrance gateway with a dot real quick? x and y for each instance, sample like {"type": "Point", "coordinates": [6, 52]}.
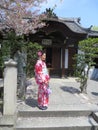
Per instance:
{"type": "Point", "coordinates": [60, 38]}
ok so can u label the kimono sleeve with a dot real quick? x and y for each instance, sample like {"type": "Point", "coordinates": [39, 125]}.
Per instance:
{"type": "Point", "coordinates": [40, 77]}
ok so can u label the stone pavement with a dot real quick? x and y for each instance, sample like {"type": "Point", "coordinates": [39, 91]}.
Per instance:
{"type": "Point", "coordinates": [68, 108]}
{"type": "Point", "coordinates": [65, 95]}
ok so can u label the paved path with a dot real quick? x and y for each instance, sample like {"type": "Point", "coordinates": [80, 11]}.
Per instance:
{"type": "Point", "coordinates": [65, 95]}
{"type": "Point", "coordinates": [92, 90]}
{"type": "Point", "coordinates": [68, 108]}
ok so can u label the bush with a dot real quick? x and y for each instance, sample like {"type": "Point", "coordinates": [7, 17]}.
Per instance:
{"type": "Point", "coordinates": [32, 49]}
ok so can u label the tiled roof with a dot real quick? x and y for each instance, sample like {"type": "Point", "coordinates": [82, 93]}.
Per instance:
{"type": "Point", "coordinates": [74, 25]}
{"type": "Point", "coordinates": [93, 33]}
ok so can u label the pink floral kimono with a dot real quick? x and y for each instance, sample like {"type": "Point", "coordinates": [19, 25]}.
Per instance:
{"type": "Point", "coordinates": [42, 76]}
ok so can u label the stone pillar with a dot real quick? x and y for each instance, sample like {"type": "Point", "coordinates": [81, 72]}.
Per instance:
{"type": "Point", "coordinates": [20, 58]}
{"type": "Point", "coordinates": [10, 87]}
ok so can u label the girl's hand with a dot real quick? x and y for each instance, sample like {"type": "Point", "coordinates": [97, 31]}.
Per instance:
{"type": "Point", "coordinates": [47, 82]}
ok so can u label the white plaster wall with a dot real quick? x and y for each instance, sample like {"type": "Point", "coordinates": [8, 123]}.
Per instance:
{"type": "Point", "coordinates": [66, 58]}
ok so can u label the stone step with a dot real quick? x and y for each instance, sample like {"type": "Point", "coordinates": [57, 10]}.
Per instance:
{"type": "Point", "coordinates": [48, 113]}
{"type": "Point", "coordinates": [56, 111]}
{"type": "Point", "coordinates": [56, 123]}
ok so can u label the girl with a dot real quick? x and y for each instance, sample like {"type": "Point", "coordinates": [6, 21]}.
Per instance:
{"type": "Point", "coordinates": [42, 79]}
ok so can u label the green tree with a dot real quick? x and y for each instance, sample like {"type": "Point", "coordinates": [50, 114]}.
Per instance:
{"type": "Point", "coordinates": [13, 43]}
{"type": "Point", "coordinates": [23, 16]}
{"type": "Point", "coordinates": [89, 51]}
{"type": "Point", "coordinates": [32, 49]}
{"type": "Point", "coordinates": [95, 28]}
{"type": "Point", "coordinates": [10, 44]}
{"type": "Point", "coordinates": [50, 12]}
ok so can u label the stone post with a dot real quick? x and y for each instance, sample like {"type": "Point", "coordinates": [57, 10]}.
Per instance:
{"type": "Point", "coordinates": [10, 87]}
{"type": "Point", "coordinates": [20, 58]}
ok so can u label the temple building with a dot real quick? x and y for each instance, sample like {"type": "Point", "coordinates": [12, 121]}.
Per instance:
{"type": "Point", "coordinates": [60, 38]}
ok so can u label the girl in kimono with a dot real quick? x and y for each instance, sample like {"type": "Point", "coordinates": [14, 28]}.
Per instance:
{"type": "Point", "coordinates": [42, 79]}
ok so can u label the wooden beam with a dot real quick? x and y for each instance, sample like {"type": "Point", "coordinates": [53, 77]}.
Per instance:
{"type": "Point", "coordinates": [63, 62]}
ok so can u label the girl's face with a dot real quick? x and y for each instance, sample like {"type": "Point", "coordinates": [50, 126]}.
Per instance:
{"type": "Point", "coordinates": [43, 57]}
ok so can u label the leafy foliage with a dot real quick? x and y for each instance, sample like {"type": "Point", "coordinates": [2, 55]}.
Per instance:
{"type": "Point", "coordinates": [10, 45]}
{"type": "Point", "coordinates": [95, 28]}
{"type": "Point", "coordinates": [50, 13]}
{"type": "Point", "coordinates": [32, 50]}
{"type": "Point", "coordinates": [88, 52]}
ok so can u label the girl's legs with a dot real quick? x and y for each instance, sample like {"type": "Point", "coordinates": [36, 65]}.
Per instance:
{"type": "Point", "coordinates": [43, 98]}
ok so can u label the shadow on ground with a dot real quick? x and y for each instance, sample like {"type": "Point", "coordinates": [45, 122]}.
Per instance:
{"type": "Point", "coordinates": [31, 102]}
{"type": "Point", "coordinates": [70, 89]}
{"type": "Point", "coordinates": [95, 93]}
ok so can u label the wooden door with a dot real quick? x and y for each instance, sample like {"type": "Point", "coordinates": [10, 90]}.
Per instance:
{"type": "Point", "coordinates": [56, 58]}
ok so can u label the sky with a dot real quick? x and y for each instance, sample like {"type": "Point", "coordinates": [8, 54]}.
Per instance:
{"type": "Point", "coordinates": [87, 10]}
